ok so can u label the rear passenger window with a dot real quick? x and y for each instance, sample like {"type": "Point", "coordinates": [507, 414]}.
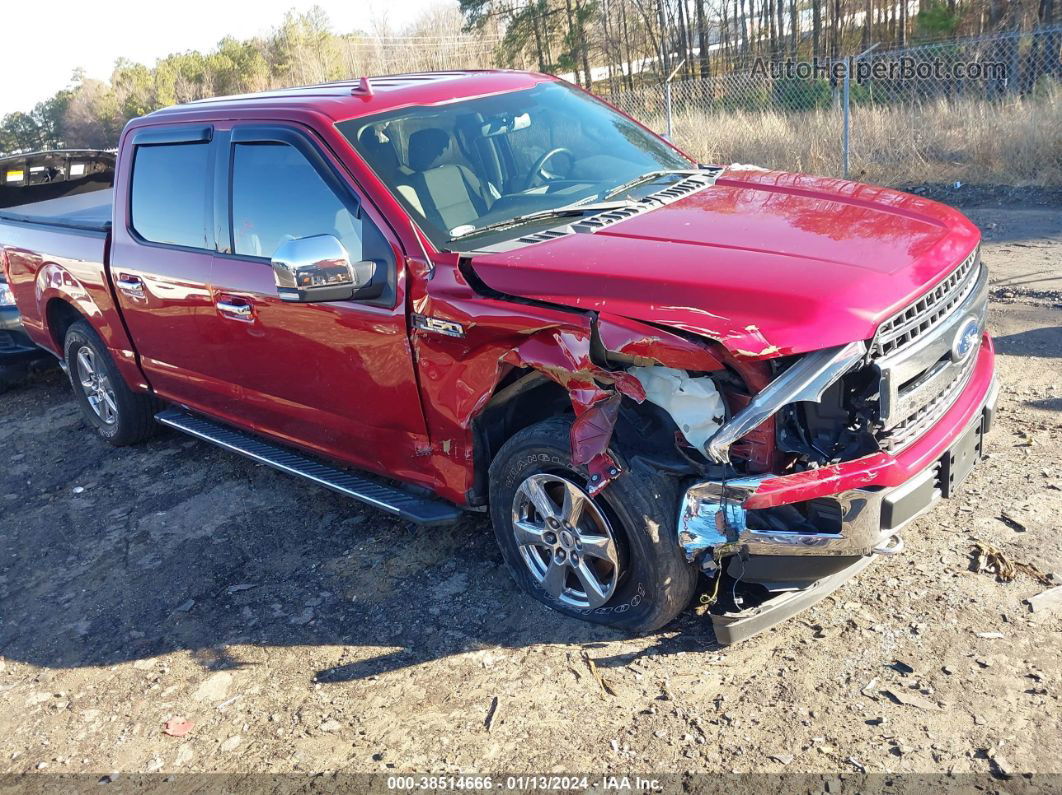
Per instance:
{"type": "Point", "coordinates": [169, 194]}
{"type": "Point", "coordinates": [277, 195]}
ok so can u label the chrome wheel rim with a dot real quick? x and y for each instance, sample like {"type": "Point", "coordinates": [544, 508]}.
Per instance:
{"type": "Point", "coordinates": [96, 386]}
{"type": "Point", "coordinates": [566, 541]}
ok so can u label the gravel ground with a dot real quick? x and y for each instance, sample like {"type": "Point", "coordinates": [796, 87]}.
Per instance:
{"type": "Point", "coordinates": [277, 627]}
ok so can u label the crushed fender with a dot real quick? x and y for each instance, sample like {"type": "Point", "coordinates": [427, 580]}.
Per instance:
{"type": "Point", "coordinates": [646, 345]}
{"type": "Point", "coordinates": [564, 357]}
{"type": "Point", "coordinates": [586, 353]}
{"type": "Point", "coordinates": [590, 437]}
{"type": "Point", "coordinates": [596, 392]}
{"type": "Point", "coordinates": [754, 344]}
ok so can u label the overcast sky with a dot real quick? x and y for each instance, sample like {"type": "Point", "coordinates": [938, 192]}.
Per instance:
{"type": "Point", "coordinates": [44, 42]}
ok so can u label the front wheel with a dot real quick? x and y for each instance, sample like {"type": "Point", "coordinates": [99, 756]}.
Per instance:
{"type": "Point", "coordinates": [120, 415]}
{"type": "Point", "coordinates": [612, 559]}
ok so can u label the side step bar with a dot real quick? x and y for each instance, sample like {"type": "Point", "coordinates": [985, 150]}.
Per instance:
{"type": "Point", "coordinates": [393, 500]}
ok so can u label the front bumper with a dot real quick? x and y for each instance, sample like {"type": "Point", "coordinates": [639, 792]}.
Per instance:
{"type": "Point", "coordinates": [875, 496]}
{"type": "Point", "coordinates": [733, 627]}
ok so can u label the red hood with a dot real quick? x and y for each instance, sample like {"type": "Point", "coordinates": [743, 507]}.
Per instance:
{"type": "Point", "coordinates": [768, 263]}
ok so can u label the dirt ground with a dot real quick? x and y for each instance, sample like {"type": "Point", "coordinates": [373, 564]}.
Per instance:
{"type": "Point", "coordinates": [298, 631]}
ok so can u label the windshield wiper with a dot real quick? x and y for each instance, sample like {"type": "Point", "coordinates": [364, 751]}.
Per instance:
{"type": "Point", "coordinates": [600, 204]}
{"type": "Point", "coordinates": [576, 208]}
{"type": "Point", "coordinates": [646, 177]}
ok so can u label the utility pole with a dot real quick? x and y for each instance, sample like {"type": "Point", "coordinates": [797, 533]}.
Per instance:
{"type": "Point", "coordinates": [667, 96]}
{"type": "Point", "coordinates": [849, 63]}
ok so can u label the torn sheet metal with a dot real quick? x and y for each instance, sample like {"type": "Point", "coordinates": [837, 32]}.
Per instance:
{"type": "Point", "coordinates": [590, 437]}
{"type": "Point", "coordinates": [647, 345]}
{"type": "Point", "coordinates": [693, 403]}
{"type": "Point", "coordinates": [804, 381]}
{"type": "Point", "coordinates": [564, 357]}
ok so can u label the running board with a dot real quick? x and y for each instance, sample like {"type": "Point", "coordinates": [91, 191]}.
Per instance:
{"type": "Point", "coordinates": [393, 500]}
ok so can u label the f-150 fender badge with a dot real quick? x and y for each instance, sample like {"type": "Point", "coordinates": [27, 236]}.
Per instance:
{"type": "Point", "coordinates": [434, 325]}
{"type": "Point", "coordinates": [965, 339]}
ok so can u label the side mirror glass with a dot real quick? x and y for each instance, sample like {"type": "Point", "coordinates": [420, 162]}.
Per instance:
{"type": "Point", "coordinates": [318, 268]}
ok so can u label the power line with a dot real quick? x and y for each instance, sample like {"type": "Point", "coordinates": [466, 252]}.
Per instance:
{"type": "Point", "coordinates": [438, 38]}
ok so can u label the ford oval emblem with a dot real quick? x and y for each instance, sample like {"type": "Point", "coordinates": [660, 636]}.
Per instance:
{"type": "Point", "coordinates": [965, 339]}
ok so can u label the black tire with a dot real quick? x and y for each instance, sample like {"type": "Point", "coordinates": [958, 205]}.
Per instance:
{"type": "Point", "coordinates": [132, 416]}
{"type": "Point", "coordinates": [655, 583]}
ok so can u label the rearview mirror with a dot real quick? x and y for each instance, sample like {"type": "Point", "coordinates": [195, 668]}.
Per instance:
{"type": "Point", "coordinates": [503, 124]}
{"type": "Point", "coordinates": [318, 268]}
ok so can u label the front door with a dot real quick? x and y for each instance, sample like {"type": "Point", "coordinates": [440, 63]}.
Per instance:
{"type": "Point", "coordinates": [161, 258]}
{"type": "Point", "coordinates": [336, 377]}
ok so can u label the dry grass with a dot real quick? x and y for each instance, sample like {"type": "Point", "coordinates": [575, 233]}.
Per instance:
{"type": "Point", "coordinates": [1018, 142]}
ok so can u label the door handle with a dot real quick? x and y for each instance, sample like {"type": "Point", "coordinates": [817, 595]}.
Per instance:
{"type": "Point", "coordinates": [236, 311]}
{"type": "Point", "coordinates": [133, 285]}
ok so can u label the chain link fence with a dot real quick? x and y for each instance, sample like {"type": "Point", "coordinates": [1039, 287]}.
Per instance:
{"type": "Point", "coordinates": [986, 110]}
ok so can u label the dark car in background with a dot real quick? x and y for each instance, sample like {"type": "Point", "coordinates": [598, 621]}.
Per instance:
{"type": "Point", "coordinates": [30, 178]}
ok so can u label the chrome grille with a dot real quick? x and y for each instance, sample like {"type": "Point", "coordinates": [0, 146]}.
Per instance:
{"type": "Point", "coordinates": [912, 427]}
{"type": "Point", "coordinates": [925, 314]}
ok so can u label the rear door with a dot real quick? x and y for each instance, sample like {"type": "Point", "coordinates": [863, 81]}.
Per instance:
{"type": "Point", "coordinates": [162, 249]}
{"type": "Point", "coordinates": [336, 377]}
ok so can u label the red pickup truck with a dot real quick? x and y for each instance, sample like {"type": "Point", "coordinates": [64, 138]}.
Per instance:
{"type": "Point", "coordinates": [490, 291]}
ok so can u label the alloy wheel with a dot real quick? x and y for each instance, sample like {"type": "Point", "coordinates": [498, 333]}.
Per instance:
{"type": "Point", "coordinates": [566, 541]}
{"type": "Point", "coordinates": [96, 386]}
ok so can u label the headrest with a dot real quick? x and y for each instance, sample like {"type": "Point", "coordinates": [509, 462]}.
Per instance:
{"type": "Point", "coordinates": [379, 151]}
{"type": "Point", "coordinates": [427, 148]}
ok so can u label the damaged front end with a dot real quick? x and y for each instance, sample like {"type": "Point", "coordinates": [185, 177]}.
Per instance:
{"type": "Point", "coordinates": [795, 469]}
{"type": "Point", "coordinates": [751, 422]}
{"type": "Point", "coordinates": [735, 424]}
{"type": "Point", "coordinates": [793, 554]}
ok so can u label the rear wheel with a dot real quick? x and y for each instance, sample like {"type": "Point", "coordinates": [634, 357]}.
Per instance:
{"type": "Point", "coordinates": [612, 559]}
{"type": "Point", "coordinates": [119, 415]}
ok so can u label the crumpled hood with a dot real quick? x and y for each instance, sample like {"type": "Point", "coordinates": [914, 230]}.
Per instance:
{"type": "Point", "coordinates": [765, 262]}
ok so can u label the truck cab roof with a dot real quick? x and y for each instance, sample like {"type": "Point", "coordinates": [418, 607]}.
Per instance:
{"type": "Point", "coordinates": [350, 99]}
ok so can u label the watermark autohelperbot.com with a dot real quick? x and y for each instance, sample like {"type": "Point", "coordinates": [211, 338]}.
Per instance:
{"type": "Point", "coordinates": [901, 68]}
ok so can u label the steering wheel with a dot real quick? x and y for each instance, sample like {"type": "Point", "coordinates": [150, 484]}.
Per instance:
{"type": "Point", "coordinates": [538, 169]}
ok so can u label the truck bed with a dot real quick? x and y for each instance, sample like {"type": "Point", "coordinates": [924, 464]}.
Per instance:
{"type": "Point", "coordinates": [86, 211]}
{"type": "Point", "coordinates": [66, 235]}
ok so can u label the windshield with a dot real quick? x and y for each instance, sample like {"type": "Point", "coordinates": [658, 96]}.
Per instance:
{"type": "Point", "coordinates": [466, 165]}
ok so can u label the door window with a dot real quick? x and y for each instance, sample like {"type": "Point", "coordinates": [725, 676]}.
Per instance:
{"type": "Point", "coordinates": [277, 195]}
{"type": "Point", "coordinates": [169, 194]}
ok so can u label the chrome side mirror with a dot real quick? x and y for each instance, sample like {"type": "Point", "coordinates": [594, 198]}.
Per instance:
{"type": "Point", "coordinates": [318, 268]}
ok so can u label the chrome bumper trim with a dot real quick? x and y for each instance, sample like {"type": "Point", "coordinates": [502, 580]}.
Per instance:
{"type": "Point", "coordinates": [806, 380]}
{"type": "Point", "coordinates": [712, 516]}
